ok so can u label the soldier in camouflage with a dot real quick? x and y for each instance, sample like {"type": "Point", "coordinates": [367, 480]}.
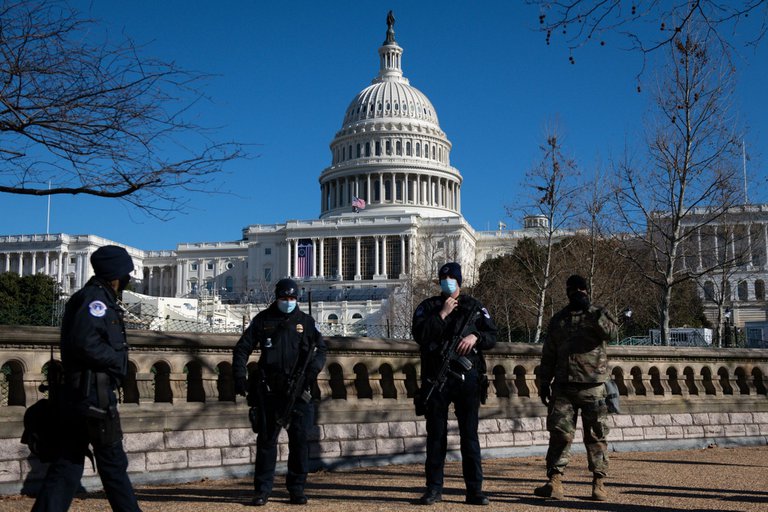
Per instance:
{"type": "Point", "coordinates": [574, 356]}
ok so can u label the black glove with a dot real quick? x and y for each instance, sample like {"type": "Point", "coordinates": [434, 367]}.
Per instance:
{"type": "Point", "coordinates": [241, 386]}
{"type": "Point", "coordinates": [545, 393]}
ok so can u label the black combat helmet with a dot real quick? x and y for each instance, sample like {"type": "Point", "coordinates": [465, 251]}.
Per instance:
{"type": "Point", "coordinates": [286, 288]}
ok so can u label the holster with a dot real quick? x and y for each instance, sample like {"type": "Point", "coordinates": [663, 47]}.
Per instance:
{"type": "Point", "coordinates": [102, 420]}
{"type": "Point", "coordinates": [483, 384]}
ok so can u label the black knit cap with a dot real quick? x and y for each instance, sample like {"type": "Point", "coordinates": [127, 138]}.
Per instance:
{"type": "Point", "coordinates": [576, 282]}
{"type": "Point", "coordinates": [451, 269]}
{"type": "Point", "coordinates": [286, 288]}
{"type": "Point", "coordinates": [111, 262]}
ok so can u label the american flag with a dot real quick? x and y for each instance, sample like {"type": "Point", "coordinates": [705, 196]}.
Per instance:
{"type": "Point", "coordinates": [305, 256]}
{"type": "Point", "coordinates": [358, 204]}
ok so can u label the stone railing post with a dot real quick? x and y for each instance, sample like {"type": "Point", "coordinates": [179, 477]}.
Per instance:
{"type": "Point", "coordinates": [210, 385]}
{"type": "Point", "coordinates": [178, 383]}
{"type": "Point", "coordinates": [145, 382]}
{"type": "Point", "coordinates": [324, 384]}
{"type": "Point", "coordinates": [399, 381]}
{"type": "Point", "coordinates": [31, 383]}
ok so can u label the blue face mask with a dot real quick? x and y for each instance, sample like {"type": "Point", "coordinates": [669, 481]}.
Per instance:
{"type": "Point", "coordinates": [286, 306]}
{"type": "Point", "coordinates": [448, 285]}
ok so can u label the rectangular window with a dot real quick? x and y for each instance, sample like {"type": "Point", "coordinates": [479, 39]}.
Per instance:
{"type": "Point", "coordinates": [193, 266]}
{"type": "Point", "coordinates": [268, 274]}
{"type": "Point", "coordinates": [209, 266]}
{"type": "Point", "coordinates": [267, 251]}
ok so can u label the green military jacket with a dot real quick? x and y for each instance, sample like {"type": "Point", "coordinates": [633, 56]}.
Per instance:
{"type": "Point", "coordinates": [575, 348]}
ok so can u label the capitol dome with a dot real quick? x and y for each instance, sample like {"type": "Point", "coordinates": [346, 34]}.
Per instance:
{"type": "Point", "coordinates": [390, 151]}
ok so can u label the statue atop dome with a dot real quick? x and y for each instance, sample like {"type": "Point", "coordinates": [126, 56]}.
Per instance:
{"type": "Point", "coordinates": [390, 29]}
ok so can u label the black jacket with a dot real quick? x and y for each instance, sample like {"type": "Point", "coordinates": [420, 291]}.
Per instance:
{"type": "Point", "coordinates": [431, 332]}
{"type": "Point", "coordinates": [93, 333]}
{"type": "Point", "coordinates": [281, 338]}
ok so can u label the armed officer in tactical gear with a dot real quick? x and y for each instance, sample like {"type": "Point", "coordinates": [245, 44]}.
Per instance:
{"type": "Point", "coordinates": [574, 355]}
{"type": "Point", "coordinates": [436, 322]}
{"type": "Point", "coordinates": [288, 341]}
{"type": "Point", "coordinates": [94, 357]}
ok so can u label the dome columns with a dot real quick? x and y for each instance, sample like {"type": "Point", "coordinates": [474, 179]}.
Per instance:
{"type": "Point", "coordinates": [386, 188]}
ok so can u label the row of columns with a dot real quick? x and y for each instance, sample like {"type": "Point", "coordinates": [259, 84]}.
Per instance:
{"type": "Point", "coordinates": [184, 276]}
{"type": "Point", "coordinates": [161, 280]}
{"type": "Point", "coordinates": [55, 266]}
{"type": "Point", "coordinates": [427, 190]}
{"type": "Point", "coordinates": [751, 250]}
{"type": "Point", "coordinates": [318, 258]}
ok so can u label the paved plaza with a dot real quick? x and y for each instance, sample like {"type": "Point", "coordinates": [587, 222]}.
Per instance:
{"type": "Point", "coordinates": [709, 479]}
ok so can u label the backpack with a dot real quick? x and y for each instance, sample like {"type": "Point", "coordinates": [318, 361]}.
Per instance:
{"type": "Point", "coordinates": [40, 435]}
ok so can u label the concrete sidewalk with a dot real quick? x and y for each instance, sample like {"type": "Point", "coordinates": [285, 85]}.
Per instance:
{"type": "Point", "coordinates": [709, 479]}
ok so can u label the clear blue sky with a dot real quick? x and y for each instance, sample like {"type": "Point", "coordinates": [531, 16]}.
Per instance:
{"type": "Point", "coordinates": [286, 71]}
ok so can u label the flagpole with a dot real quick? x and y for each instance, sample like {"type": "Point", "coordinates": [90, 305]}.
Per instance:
{"type": "Point", "coordinates": [744, 164]}
{"type": "Point", "coordinates": [48, 215]}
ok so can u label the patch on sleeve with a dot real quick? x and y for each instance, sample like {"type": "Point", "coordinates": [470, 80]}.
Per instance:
{"type": "Point", "coordinates": [486, 314]}
{"type": "Point", "coordinates": [97, 308]}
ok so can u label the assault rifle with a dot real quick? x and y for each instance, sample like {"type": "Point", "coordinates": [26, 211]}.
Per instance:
{"type": "Point", "coordinates": [449, 355]}
{"type": "Point", "coordinates": [296, 388]}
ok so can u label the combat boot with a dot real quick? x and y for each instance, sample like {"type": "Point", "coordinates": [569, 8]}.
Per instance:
{"type": "Point", "coordinates": [553, 489]}
{"type": "Point", "coordinates": [598, 488]}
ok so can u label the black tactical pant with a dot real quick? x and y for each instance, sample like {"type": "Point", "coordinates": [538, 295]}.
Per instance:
{"type": "Point", "coordinates": [465, 395]}
{"type": "Point", "coordinates": [298, 447]}
{"type": "Point", "coordinates": [62, 480]}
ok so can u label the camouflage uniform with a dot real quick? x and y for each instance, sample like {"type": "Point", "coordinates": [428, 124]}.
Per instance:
{"type": "Point", "coordinates": [574, 355]}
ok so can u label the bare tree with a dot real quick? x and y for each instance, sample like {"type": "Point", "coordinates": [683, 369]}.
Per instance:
{"type": "Point", "coordinates": [79, 116]}
{"type": "Point", "coordinates": [651, 25]}
{"type": "Point", "coordinates": [691, 177]}
{"type": "Point", "coordinates": [554, 199]}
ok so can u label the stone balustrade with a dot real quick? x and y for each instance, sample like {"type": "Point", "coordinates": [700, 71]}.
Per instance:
{"type": "Point", "coordinates": [182, 420]}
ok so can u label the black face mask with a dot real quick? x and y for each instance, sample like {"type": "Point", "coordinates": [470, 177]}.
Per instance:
{"type": "Point", "coordinates": [578, 301]}
{"type": "Point", "coordinates": [123, 282]}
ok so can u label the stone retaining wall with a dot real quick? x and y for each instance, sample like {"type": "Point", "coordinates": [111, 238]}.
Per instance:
{"type": "Point", "coordinates": [672, 398]}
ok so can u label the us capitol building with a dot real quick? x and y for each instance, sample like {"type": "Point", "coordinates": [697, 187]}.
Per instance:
{"type": "Point", "coordinates": [390, 212]}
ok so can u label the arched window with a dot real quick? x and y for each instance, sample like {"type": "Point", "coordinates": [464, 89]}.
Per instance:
{"type": "Point", "coordinates": [367, 149]}
{"type": "Point", "coordinates": [398, 148]}
{"type": "Point", "coordinates": [408, 148]}
{"type": "Point", "coordinates": [358, 151]}
{"type": "Point", "coordinates": [418, 149]}
{"type": "Point", "coordinates": [759, 289]}
{"type": "Point", "coordinates": [333, 318]}
{"type": "Point", "coordinates": [743, 290]}
{"type": "Point", "coordinates": [378, 148]}
{"type": "Point", "coordinates": [389, 147]}
{"type": "Point", "coordinates": [357, 316]}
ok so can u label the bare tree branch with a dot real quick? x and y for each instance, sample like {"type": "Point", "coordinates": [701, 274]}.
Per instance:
{"type": "Point", "coordinates": [96, 119]}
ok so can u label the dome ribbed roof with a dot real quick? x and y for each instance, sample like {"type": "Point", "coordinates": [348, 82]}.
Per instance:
{"type": "Point", "coordinates": [388, 100]}
{"type": "Point", "coordinates": [390, 97]}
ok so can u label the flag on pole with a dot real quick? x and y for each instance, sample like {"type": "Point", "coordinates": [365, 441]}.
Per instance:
{"type": "Point", "coordinates": [358, 204]}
